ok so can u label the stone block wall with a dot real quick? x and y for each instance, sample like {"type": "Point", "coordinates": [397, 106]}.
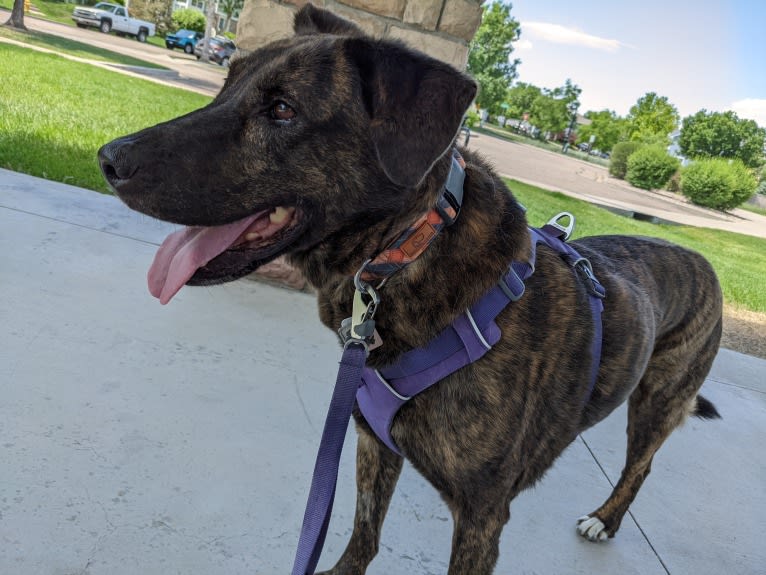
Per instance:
{"type": "Point", "coordinates": [440, 28]}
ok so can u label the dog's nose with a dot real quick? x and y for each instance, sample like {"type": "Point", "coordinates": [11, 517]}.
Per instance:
{"type": "Point", "coordinates": [115, 161]}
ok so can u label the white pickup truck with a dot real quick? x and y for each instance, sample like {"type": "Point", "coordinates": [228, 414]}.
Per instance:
{"type": "Point", "coordinates": [112, 17]}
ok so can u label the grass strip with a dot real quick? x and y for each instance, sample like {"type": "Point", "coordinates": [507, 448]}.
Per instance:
{"type": "Point", "coordinates": [73, 48]}
{"type": "Point", "coordinates": [56, 113]}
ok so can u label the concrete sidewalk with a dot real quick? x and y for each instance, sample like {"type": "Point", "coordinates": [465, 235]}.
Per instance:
{"type": "Point", "coordinates": [140, 439]}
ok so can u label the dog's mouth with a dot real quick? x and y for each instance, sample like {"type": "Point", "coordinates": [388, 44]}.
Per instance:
{"type": "Point", "coordinates": [207, 255]}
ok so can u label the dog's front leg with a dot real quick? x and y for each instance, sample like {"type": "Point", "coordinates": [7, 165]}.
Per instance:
{"type": "Point", "coordinates": [476, 538]}
{"type": "Point", "coordinates": [377, 470]}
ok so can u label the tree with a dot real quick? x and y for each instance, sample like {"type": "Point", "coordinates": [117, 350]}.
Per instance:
{"type": "Point", "coordinates": [652, 119]}
{"type": "Point", "coordinates": [549, 114]}
{"type": "Point", "coordinates": [189, 19]}
{"type": "Point", "coordinates": [157, 11]}
{"type": "Point", "coordinates": [606, 126]}
{"type": "Point", "coordinates": [520, 99]}
{"type": "Point", "coordinates": [17, 16]}
{"type": "Point", "coordinates": [489, 55]}
{"type": "Point", "coordinates": [229, 7]}
{"type": "Point", "coordinates": [724, 135]}
{"type": "Point", "coordinates": [552, 110]}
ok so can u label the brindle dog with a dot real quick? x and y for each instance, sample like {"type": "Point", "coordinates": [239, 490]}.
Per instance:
{"type": "Point", "coordinates": [325, 146]}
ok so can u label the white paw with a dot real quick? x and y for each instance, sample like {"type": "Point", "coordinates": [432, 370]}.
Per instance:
{"type": "Point", "coordinates": [592, 528]}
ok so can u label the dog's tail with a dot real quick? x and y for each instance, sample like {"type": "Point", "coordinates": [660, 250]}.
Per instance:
{"type": "Point", "coordinates": [705, 409]}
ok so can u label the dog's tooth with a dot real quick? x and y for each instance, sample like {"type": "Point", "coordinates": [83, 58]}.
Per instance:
{"type": "Point", "coordinates": [279, 215]}
{"type": "Point", "coordinates": [252, 236]}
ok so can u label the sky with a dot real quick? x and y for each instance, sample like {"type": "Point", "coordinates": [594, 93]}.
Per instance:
{"type": "Point", "coordinates": [707, 54]}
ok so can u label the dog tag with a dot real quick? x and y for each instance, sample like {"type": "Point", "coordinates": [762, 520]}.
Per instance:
{"type": "Point", "coordinates": [375, 342]}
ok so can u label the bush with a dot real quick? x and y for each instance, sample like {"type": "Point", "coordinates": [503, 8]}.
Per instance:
{"type": "Point", "coordinates": [718, 183]}
{"type": "Point", "coordinates": [618, 164]}
{"type": "Point", "coordinates": [472, 118]}
{"type": "Point", "coordinates": [189, 19]}
{"type": "Point", "coordinates": [651, 167]}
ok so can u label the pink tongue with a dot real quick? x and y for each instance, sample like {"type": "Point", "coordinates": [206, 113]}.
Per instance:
{"type": "Point", "coordinates": [185, 251]}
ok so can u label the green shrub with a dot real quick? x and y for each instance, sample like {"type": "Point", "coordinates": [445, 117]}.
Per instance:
{"type": "Point", "coordinates": [718, 183]}
{"type": "Point", "coordinates": [472, 118]}
{"type": "Point", "coordinates": [618, 164]}
{"type": "Point", "coordinates": [189, 19]}
{"type": "Point", "coordinates": [651, 167]}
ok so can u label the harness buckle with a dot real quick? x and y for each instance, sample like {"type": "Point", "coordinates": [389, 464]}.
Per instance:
{"type": "Point", "coordinates": [567, 230]}
{"type": "Point", "coordinates": [584, 270]}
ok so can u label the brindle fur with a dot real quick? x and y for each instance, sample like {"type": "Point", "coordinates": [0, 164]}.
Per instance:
{"type": "Point", "coordinates": [368, 154]}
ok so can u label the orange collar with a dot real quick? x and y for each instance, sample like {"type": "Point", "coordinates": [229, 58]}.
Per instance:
{"type": "Point", "coordinates": [415, 239]}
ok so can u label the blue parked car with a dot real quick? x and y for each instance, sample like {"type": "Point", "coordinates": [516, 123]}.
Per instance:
{"type": "Point", "coordinates": [185, 39]}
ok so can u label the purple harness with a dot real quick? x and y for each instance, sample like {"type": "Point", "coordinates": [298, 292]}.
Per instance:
{"type": "Point", "coordinates": [383, 392]}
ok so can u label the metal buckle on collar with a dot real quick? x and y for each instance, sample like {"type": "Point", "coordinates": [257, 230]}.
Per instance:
{"type": "Point", "coordinates": [585, 271]}
{"type": "Point", "coordinates": [453, 192]}
{"type": "Point", "coordinates": [566, 230]}
{"type": "Point", "coordinates": [452, 201]}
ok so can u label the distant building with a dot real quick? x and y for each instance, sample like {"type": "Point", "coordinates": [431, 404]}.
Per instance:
{"type": "Point", "coordinates": [674, 149]}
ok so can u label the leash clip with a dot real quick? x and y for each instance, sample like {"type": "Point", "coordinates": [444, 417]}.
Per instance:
{"type": "Point", "coordinates": [565, 230]}
{"type": "Point", "coordinates": [360, 327]}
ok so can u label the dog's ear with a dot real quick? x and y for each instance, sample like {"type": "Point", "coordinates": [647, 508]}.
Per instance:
{"type": "Point", "coordinates": [416, 105]}
{"type": "Point", "coordinates": [313, 20]}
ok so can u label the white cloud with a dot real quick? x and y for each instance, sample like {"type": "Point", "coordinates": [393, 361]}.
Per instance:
{"type": "Point", "coordinates": [522, 45]}
{"type": "Point", "coordinates": [751, 109]}
{"type": "Point", "coordinates": [563, 35]}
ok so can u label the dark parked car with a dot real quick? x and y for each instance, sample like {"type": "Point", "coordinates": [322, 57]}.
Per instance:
{"type": "Point", "coordinates": [185, 39]}
{"type": "Point", "coordinates": [221, 50]}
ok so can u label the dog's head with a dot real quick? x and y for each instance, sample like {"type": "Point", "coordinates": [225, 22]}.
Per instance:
{"type": "Point", "coordinates": [321, 135]}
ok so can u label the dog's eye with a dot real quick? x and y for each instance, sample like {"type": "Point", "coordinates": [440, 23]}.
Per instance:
{"type": "Point", "coordinates": [281, 111]}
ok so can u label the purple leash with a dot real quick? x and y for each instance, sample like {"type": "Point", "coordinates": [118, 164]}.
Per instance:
{"type": "Point", "coordinates": [322, 493]}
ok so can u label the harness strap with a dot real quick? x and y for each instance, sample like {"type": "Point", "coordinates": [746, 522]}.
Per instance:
{"type": "Point", "coordinates": [383, 392]}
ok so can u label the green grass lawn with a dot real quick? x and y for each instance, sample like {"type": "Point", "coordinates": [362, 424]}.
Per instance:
{"type": "Point", "coordinates": [56, 113]}
{"type": "Point", "coordinates": [754, 209]}
{"type": "Point", "coordinates": [739, 260]}
{"type": "Point", "coordinates": [73, 48]}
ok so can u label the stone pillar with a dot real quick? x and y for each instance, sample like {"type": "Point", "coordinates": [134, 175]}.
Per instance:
{"type": "Point", "coordinates": [440, 28]}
